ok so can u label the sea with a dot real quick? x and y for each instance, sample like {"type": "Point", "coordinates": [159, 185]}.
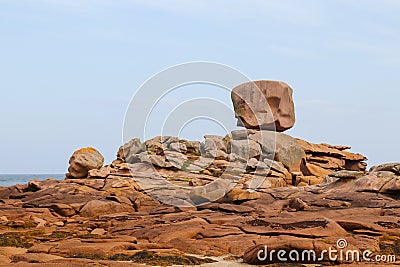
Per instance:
{"type": "Point", "coordinates": [13, 179]}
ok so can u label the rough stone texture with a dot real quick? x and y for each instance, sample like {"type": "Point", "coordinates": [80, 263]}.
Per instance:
{"type": "Point", "coordinates": [333, 158]}
{"type": "Point", "coordinates": [392, 167]}
{"type": "Point", "coordinates": [289, 193]}
{"type": "Point", "coordinates": [215, 147]}
{"type": "Point", "coordinates": [84, 160]}
{"type": "Point", "coordinates": [287, 150]}
{"type": "Point", "coordinates": [267, 154]}
{"type": "Point", "coordinates": [99, 221]}
{"type": "Point", "coordinates": [245, 149]}
{"type": "Point", "coordinates": [130, 149]}
{"type": "Point", "coordinates": [264, 105]}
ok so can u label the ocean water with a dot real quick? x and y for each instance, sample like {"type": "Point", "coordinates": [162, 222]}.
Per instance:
{"type": "Point", "coordinates": [12, 179]}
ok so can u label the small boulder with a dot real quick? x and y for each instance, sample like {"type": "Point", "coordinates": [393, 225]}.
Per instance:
{"type": "Point", "coordinates": [298, 204]}
{"type": "Point", "coordinates": [84, 160]}
{"type": "Point", "coordinates": [98, 231]}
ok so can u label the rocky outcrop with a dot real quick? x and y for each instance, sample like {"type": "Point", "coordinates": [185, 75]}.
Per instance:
{"type": "Point", "coordinates": [255, 154]}
{"type": "Point", "coordinates": [249, 190]}
{"type": "Point", "coordinates": [332, 158]}
{"type": "Point", "coordinates": [266, 105]}
{"type": "Point", "coordinates": [84, 160]}
{"type": "Point", "coordinates": [110, 220]}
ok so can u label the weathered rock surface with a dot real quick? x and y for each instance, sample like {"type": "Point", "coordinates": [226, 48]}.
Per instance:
{"type": "Point", "coordinates": [266, 155]}
{"type": "Point", "coordinates": [286, 149]}
{"type": "Point", "coordinates": [266, 105]}
{"type": "Point", "coordinates": [391, 167]}
{"type": "Point", "coordinates": [103, 221]}
{"type": "Point", "coordinates": [84, 160]}
{"type": "Point", "coordinates": [333, 158]}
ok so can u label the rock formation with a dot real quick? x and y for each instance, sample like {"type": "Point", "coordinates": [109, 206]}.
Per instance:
{"type": "Point", "coordinates": [288, 194]}
{"type": "Point", "coordinates": [107, 218]}
{"type": "Point", "coordinates": [266, 105]}
{"type": "Point", "coordinates": [270, 155]}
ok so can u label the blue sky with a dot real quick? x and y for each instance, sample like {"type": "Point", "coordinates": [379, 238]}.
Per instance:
{"type": "Point", "coordinates": [69, 68]}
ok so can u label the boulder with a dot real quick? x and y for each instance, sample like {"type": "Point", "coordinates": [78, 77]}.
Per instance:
{"type": "Point", "coordinates": [245, 149]}
{"type": "Point", "coordinates": [84, 160]}
{"type": "Point", "coordinates": [287, 150]}
{"type": "Point", "coordinates": [264, 105]}
{"type": "Point", "coordinates": [215, 146]}
{"type": "Point", "coordinates": [192, 147]}
{"type": "Point", "coordinates": [63, 209]}
{"type": "Point", "coordinates": [241, 134]}
{"type": "Point", "coordinates": [95, 208]}
{"type": "Point", "coordinates": [178, 147]}
{"type": "Point", "coordinates": [128, 151]}
{"type": "Point", "coordinates": [373, 182]}
{"type": "Point", "coordinates": [391, 167]}
{"type": "Point", "coordinates": [297, 204]}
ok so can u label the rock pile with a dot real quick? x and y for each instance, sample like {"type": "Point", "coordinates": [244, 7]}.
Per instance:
{"type": "Point", "coordinates": [273, 158]}
{"type": "Point", "coordinates": [289, 162]}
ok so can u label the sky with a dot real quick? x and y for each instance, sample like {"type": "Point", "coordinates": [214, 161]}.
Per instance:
{"type": "Point", "coordinates": [69, 69]}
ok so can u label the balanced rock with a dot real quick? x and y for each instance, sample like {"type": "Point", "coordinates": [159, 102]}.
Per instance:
{"type": "Point", "coordinates": [84, 160]}
{"type": "Point", "coordinates": [266, 105]}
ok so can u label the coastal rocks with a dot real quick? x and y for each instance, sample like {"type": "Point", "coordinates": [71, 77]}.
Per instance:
{"type": "Point", "coordinates": [266, 105]}
{"type": "Point", "coordinates": [116, 220]}
{"type": "Point", "coordinates": [251, 188]}
{"type": "Point", "coordinates": [82, 161]}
